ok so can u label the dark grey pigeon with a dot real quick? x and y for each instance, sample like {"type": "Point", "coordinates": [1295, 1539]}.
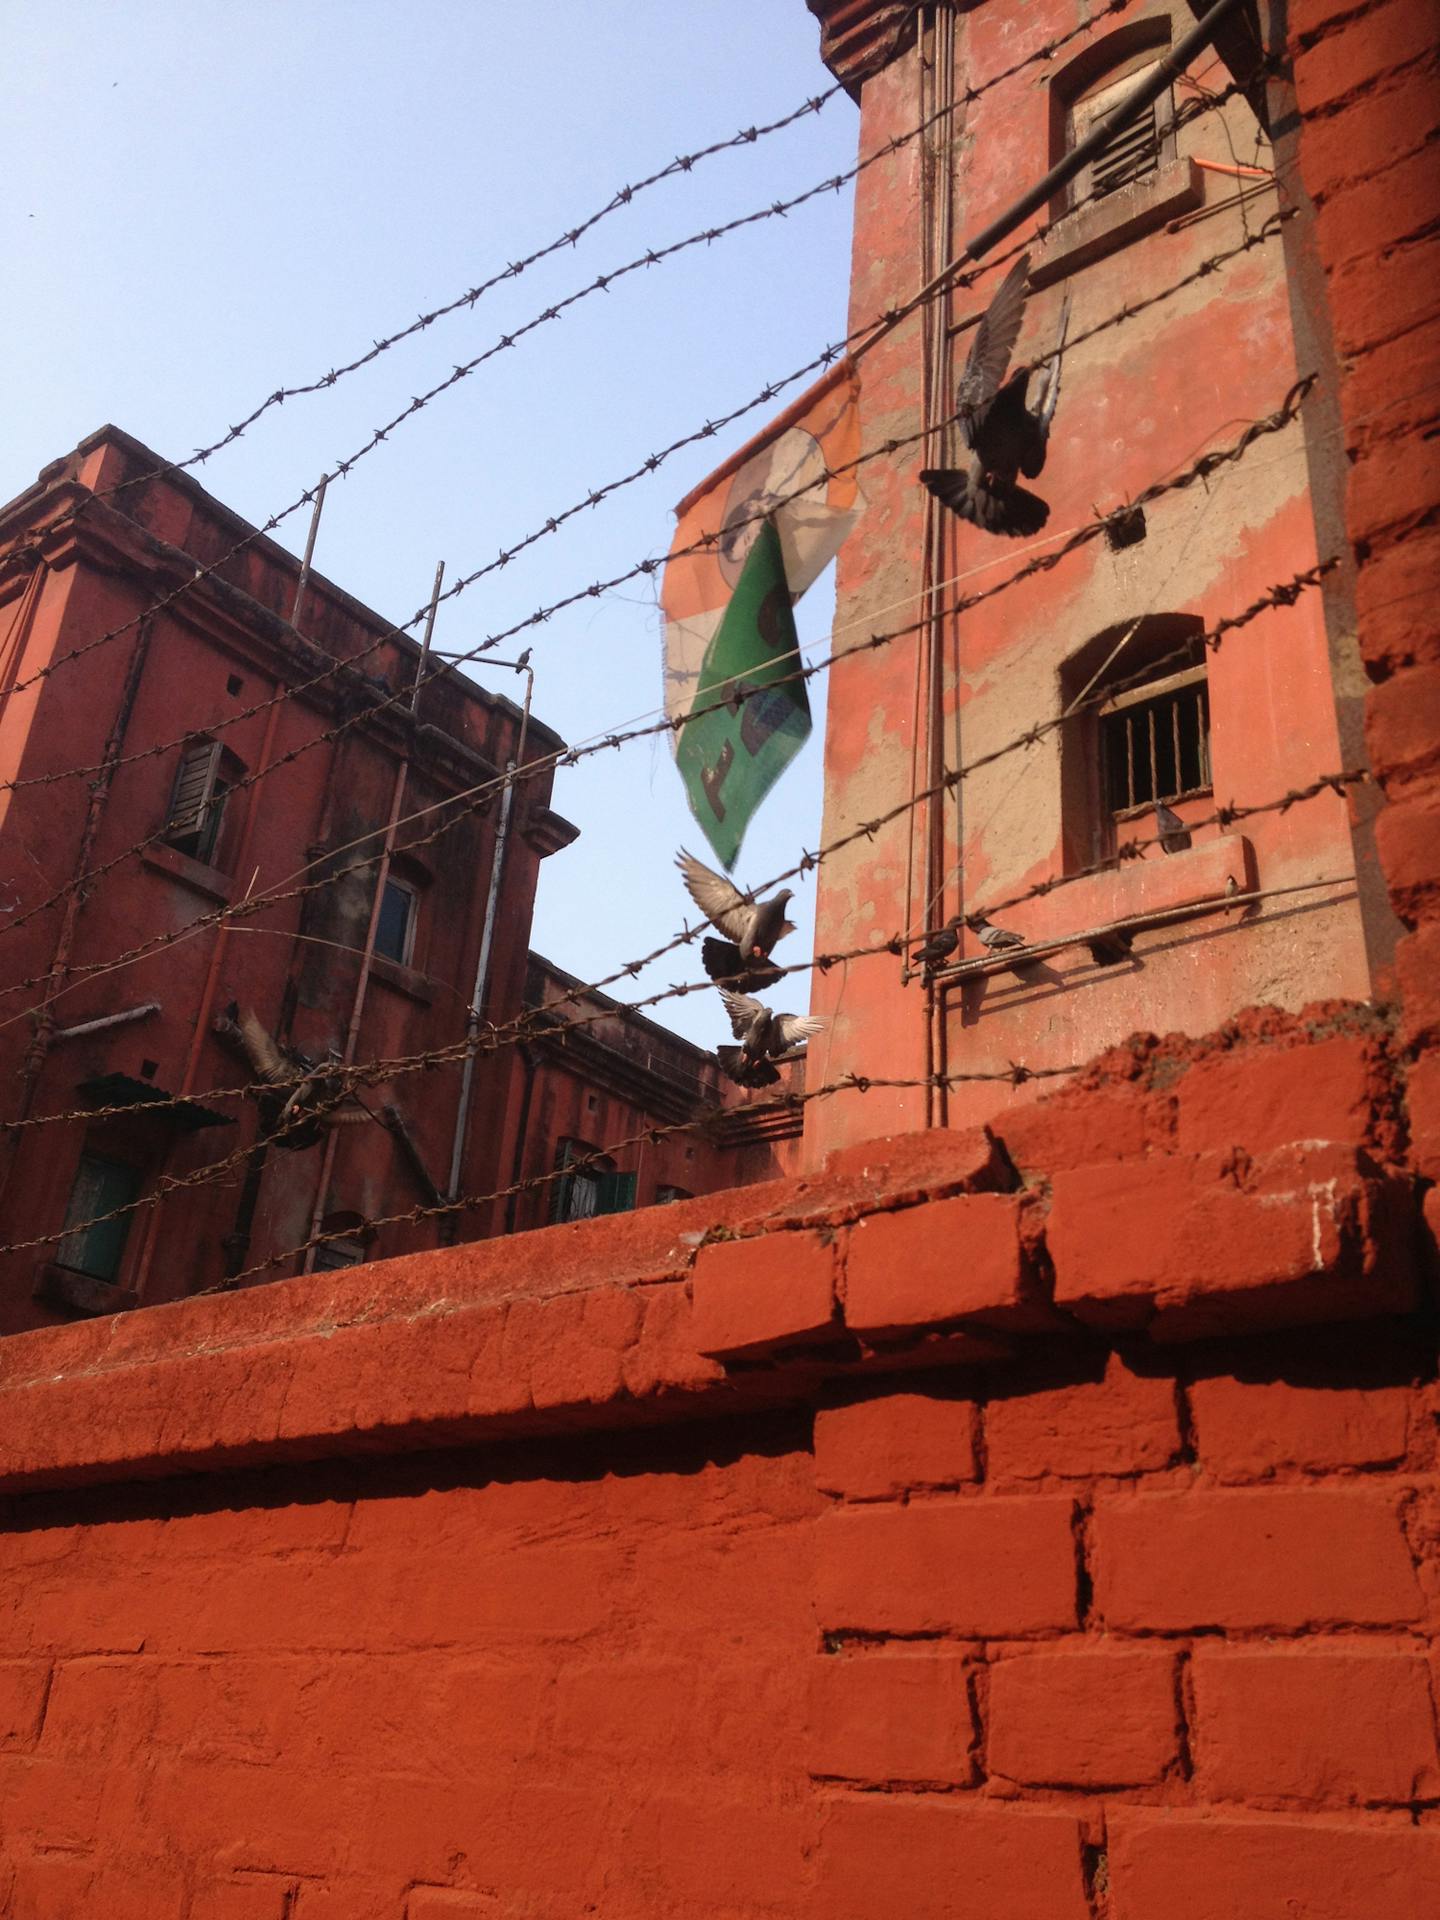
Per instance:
{"type": "Point", "coordinates": [938, 946]}
{"type": "Point", "coordinates": [1174, 835]}
{"type": "Point", "coordinates": [751, 927]}
{"type": "Point", "coordinates": [764, 1037]}
{"type": "Point", "coordinates": [1004, 434]}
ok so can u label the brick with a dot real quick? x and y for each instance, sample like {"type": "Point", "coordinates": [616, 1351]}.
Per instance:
{"type": "Point", "coordinates": [265, 1897]}
{"type": "Point", "coordinates": [1188, 1866]}
{"type": "Point", "coordinates": [1122, 1423]}
{"type": "Point", "coordinates": [1370, 132]}
{"type": "Point", "coordinates": [452, 1903]}
{"type": "Point", "coordinates": [1417, 969]}
{"type": "Point", "coordinates": [1083, 1718]}
{"type": "Point", "coordinates": [52, 1887]}
{"type": "Point", "coordinates": [878, 1449]}
{"type": "Point", "coordinates": [1392, 487]}
{"type": "Point", "coordinates": [1260, 1098]}
{"type": "Point", "coordinates": [950, 1260]}
{"type": "Point", "coordinates": [884, 1856]}
{"type": "Point", "coordinates": [1250, 1429]}
{"type": "Point", "coordinates": [751, 1295]}
{"type": "Point", "coordinates": [1402, 728]}
{"type": "Point", "coordinates": [897, 1169]}
{"type": "Point", "coordinates": [1395, 603]}
{"type": "Point", "coordinates": [1322, 1726]}
{"type": "Point", "coordinates": [23, 1688]}
{"type": "Point", "coordinates": [1422, 1103]}
{"type": "Point", "coordinates": [886, 1717]}
{"type": "Point", "coordinates": [701, 1851]}
{"type": "Point", "coordinates": [976, 1566]}
{"type": "Point", "coordinates": [1407, 838]}
{"type": "Point", "coordinates": [1285, 1558]}
{"type": "Point", "coordinates": [1050, 1135]}
{"type": "Point", "coordinates": [1378, 40]}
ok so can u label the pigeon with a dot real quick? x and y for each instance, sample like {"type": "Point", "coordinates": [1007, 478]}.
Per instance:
{"type": "Point", "coordinates": [296, 1083]}
{"type": "Point", "coordinates": [764, 1037]}
{"type": "Point", "coordinates": [751, 927]}
{"type": "Point", "coordinates": [994, 938]}
{"type": "Point", "coordinates": [938, 947]}
{"type": "Point", "coordinates": [1174, 837]}
{"type": "Point", "coordinates": [1003, 433]}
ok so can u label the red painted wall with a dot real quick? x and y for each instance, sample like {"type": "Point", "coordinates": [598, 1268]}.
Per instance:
{"type": "Point", "coordinates": [1032, 1524]}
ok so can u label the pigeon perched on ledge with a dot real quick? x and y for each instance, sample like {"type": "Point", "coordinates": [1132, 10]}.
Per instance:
{"type": "Point", "coordinates": [994, 938]}
{"type": "Point", "coordinates": [764, 1037]}
{"type": "Point", "coordinates": [1174, 835]}
{"type": "Point", "coordinates": [997, 423]}
{"type": "Point", "coordinates": [751, 927]}
{"type": "Point", "coordinates": [938, 946]}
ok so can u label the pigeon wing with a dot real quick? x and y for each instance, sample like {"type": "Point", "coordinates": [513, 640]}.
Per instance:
{"type": "Point", "coordinates": [741, 1009]}
{"type": "Point", "coordinates": [994, 340]}
{"type": "Point", "coordinates": [722, 903]}
{"type": "Point", "coordinates": [798, 1026]}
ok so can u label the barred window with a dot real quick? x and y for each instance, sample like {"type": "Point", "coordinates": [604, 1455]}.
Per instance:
{"type": "Point", "coordinates": [586, 1190]}
{"type": "Point", "coordinates": [1156, 742]}
{"type": "Point", "coordinates": [102, 1186]}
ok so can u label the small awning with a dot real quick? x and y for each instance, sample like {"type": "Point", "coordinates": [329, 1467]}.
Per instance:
{"type": "Point", "coordinates": [120, 1090]}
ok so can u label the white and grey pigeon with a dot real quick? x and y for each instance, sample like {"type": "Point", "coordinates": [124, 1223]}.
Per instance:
{"type": "Point", "coordinates": [1004, 433]}
{"type": "Point", "coordinates": [764, 1038]}
{"type": "Point", "coordinates": [751, 927]}
{"type": "Point", "coordinates": [996, 939]}
{"type": "Point", "coordinates": [1174, 835]}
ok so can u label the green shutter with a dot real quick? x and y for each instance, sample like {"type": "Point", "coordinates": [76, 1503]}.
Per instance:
{"type": "Point", "coordinates": [617, 1193]}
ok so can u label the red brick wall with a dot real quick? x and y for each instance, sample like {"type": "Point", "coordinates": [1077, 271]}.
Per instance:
{"type": "Point", "coordinates": [1023, 1528]}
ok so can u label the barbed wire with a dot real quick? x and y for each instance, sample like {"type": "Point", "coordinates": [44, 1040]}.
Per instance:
{"type": "Point", "coordinates": [532, 1023]}
{"type": "Point", "coordinates": [652, 462]}
{"type": "Point", "coordinates": [1198, 469]}
{"type": "Point", "coordinates": [405, 695]}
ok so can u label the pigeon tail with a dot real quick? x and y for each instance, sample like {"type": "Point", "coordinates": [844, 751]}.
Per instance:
{"type": "Point", "coordinates": [996, 507]}
{"type": "Point", "coordinates": [727, 966]}
{"type": "Point", "coordinates": [744, 1071]}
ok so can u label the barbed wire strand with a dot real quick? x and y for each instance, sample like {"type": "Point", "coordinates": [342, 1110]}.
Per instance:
{"type": "Point", "coordinates": [859, 339]}
{"type": "Point", "coordinates": [1199, 469]}
{"type": "Point", "coordinates": [882, 450]}
{"type": "Point", "coordinates": [524, 1026]}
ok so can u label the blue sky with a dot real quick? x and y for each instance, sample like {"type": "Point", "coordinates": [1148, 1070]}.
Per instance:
{"type": "Point", "coordinates": [205, 202]}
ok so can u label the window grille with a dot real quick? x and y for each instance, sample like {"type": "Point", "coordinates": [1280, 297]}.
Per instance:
{"type": "Point", "coordinates": [664, 1195]}
{"type": "Point", "coordinates": [1156, 742]}
{"type": "Point", "coordinates": [583, 1192]}
{"type": "Point", "coordinates": [100, 1187]}
{"type": "Point", "coordinates": [343, 1251]}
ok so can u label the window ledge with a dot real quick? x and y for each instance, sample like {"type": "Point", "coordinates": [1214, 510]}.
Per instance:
{"type": "Point", "coordinates": [190, 873]}
{"type": "Point", "coordinates": [1078, 239]}
{"type": "Point", "coordinates": [73, 1292]}
{"type": "Point", "coordinates": [407, 980]}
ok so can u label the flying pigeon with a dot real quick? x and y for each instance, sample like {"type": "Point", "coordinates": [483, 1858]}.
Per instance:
{"type": "Point", "coordinates": [1174, 837]}
{"type": "Point", "coordinates": [751, 927]}
{"type": "Point", "coordinates": [938, 947]}
{"type": "Point", "coordinates": [297, 1083]}
{"type": "Point", "coordinates": [764, 1037]}
{"type": "Point", "coordinates": [995, 938]}
{"type": "Point", "coordinates": [1003, 433]}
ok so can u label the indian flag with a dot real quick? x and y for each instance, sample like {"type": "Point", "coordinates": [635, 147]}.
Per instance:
{"type": "Point", "coordinates": [763, 529]}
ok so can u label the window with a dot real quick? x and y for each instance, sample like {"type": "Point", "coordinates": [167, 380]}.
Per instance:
{"type": "Point", "coordinates": [584, 1191]}
{"type": "Point", "coordinates": [1131, 153]}
{"type": "Point", "coordinates": [664, 1195]}
{"type": "Point", "coordinates": [100, 1187]}
{"type": "Point", "coordinates": [1156, 742]}
{"type": "Point", "coordinates": [395, 928]}
{"type": "Point", "coordinates": [349, 1246]}
{"type": "Point", "coordinates": [1139, 730]}
{"type": "Point", "coordinates": [206, 774]}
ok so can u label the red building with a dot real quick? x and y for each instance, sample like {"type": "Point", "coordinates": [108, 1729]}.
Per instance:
{"type": "Point", "coordinates": [1188, 267]}
{"type": "Point", "coordinates": [248, 734]}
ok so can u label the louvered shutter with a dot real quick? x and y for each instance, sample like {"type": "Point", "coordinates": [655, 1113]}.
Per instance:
{"type": "Point", "coordinates": [1129, 154]}
{"type": "Point", "coordinates": [194, 788]}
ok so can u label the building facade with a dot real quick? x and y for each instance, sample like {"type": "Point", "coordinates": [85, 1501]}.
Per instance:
{"type": "Point", "coordinates": [1184, 253]}
{"type": "Point", "coordinates": [244, 736]}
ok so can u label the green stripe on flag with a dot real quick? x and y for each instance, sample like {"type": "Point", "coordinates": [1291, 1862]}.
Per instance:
{"type": "Point", "coordinates": [730, 757]}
